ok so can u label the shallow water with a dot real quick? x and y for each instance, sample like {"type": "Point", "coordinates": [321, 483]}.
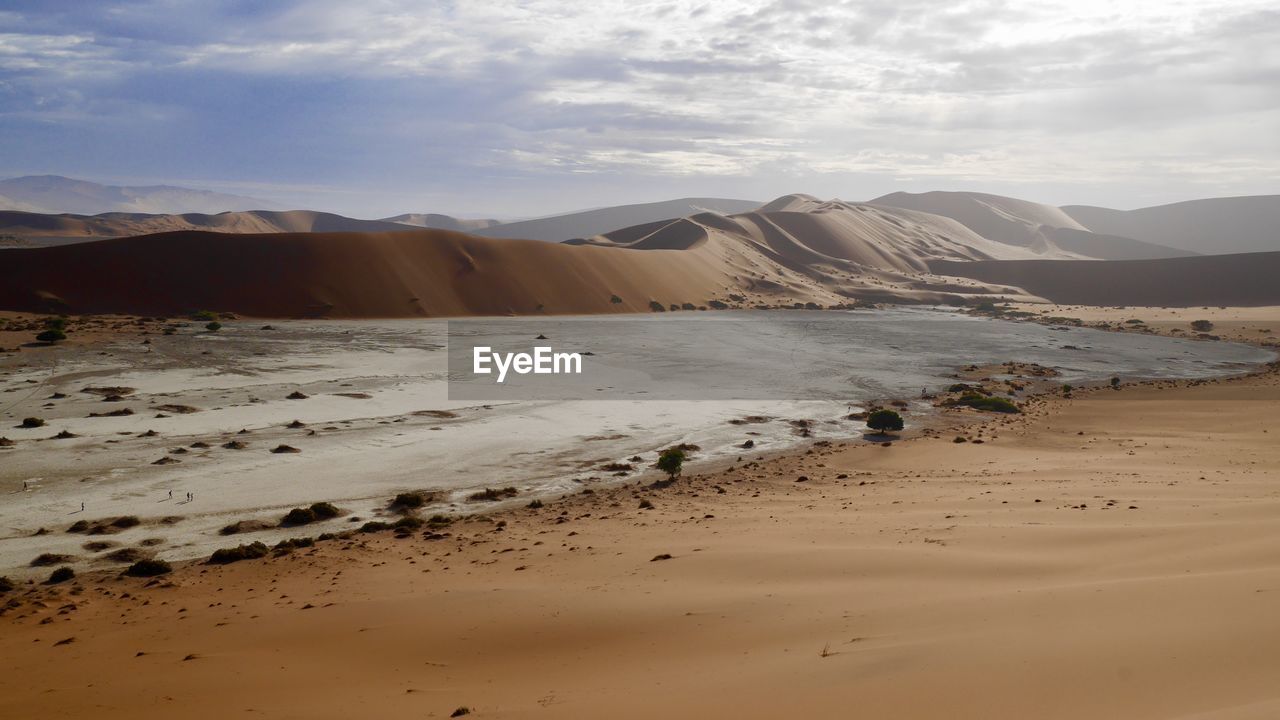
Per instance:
{"type": "Point", "coordinates": [368, 382]}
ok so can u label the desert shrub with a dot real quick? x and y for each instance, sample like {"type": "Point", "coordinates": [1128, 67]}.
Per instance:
{"type": "Point", "coordinates": [324, 511]}
{"type": "Point", "coordinates": [615, 299]}
{"type": "Point", "coordinates": [214, 326]}
{"type": "Point", "coordinates": [671, 461]}
{"type": "Point", "coordinates": [718, 305]}
{"type": "Point", "coordinates": [1115, 382]}
{"type": "Point", "coordinates": [288, 546]}
{"type": "Point", "coordinates": [61, 575]}
{"type": "Point", "coordinates": [47, 559]}
{"type": "Point", "coordinates": [656, 306]}
{"type": "Point", "coordinates": [252, 551]}
{"type": "Point", "coordinates": [374, 526]}
{"type": "Point", "coordinates": [439, 521]}
{"type": "Point", "coordinates": [884, 420]}
{"type": "Point", "coordinates": [79, 526]}
{"type": "Point", "coordinates": [32, 422]}
{"type": "Point", "coordinates": [493, 494]}
{"type": "Point", "coordinates": [299, 516]}
{"type": "Point", "coordinates": [126, 555]}
{"type": "Point", "coordinates": [408, 523]}
{"type": "Point", "coordinates": [51, 336]}
{"type": "Point", "coordinates": [984, 402]}
{"type": "Point", "coordinates": [6, 585]}
{"type": "Point", "coordinates": [126, 521]}
{"type": "Point", "coordinates": [1201, 325]}
{"type": "Point", "coordinates": [149, 568]}
{"type": "Point", "coordinates": [408, 501]}
{"type": "Point", "coordinates": [535, 504]}
{"type": "Point", "coordinates": [1066, 389]}
{"type": "Point", "coordinates": [204, 316]}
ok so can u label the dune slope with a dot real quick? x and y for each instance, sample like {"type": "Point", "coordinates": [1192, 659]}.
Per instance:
{"type": "Point", "coordinates": [1247, 279]}
{"type": "Point", "coordinates": [117, 224]}
{"type": "Point", "coordinates": [1022, 223]}
{"type": "Point", "coordinates": [1212, 225]}
{"type": "Point", "coordinates": [823, 253]}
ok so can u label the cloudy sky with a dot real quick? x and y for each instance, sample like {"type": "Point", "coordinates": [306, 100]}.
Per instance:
{"type": "Point", "coordinates": [529, 107]}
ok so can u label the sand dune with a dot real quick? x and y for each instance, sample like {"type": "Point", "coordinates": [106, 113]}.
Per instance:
{"type": "Point", "coordinates": [1247, 279]}
{"type": "Point", "coordinates": [827, 256]}
{"type": "Point", "coordinates": [1043, 228]}
{"type": "Point", "coordinates": [126, 224]}
{"type": "Point", "coordinates": [589, 223]}
{"type": "Point", "coordinates": [1213, 225]}
{"type": "Point", "coordinates": [441, 222]}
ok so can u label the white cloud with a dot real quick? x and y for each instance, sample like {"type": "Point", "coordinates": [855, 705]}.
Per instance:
{"type": "Point", "coordinates": [1036, 91]}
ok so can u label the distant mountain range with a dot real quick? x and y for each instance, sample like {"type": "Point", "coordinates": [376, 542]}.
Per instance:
{"type": "Point", "coordinates": [57, 194]}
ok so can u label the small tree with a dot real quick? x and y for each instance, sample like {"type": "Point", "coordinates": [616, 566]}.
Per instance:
{"type": "Point", "coordinates": [884, 420]}
{"type": "Point", "coordinates": [671, 461]}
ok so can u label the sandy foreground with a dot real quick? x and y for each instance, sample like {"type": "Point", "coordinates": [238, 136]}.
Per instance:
{"type": "Point", "coordinates": [1110, 555]}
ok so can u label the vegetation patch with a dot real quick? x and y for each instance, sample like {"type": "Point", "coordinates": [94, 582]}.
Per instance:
{"type": "Point", "coordinates": [983, 402]}
{"type": "Point", "coordinates": [149, 568]}
{"type": "Point", "coordinates": [252, 551]}
{"type": "Point", "coordinates": [493, 494]}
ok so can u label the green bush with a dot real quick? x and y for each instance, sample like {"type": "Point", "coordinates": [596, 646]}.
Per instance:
{"type": "Point", "coordinates": [884, 420]}
{"type": "Point", "coordinates": [671, 461]}
{"type": "Point", "coordinates": [148, 568]}
{"type": "Point", "coordinates": [51, 336]}
{"type": "Point", "coordinates": [374, 526]}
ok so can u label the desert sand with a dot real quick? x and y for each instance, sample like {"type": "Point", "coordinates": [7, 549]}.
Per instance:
{"type": "Point", "coordinates": [1108, 555]}
{"type": "Point", "coordinates": [827, 259]}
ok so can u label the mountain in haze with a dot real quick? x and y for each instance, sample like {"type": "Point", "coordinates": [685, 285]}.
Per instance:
{"type": "Point", "coordinates": [57, 194]}
{"type": "Point", "coordinates": [589, 223]}
{"type": "Point", "coordinates": [1209, 226]}
{"type": "Point", "coordinates": [1029, 224]}
{"type": "Point", "coordinates": [109, 225]}
{"type": "Point", "coordinates": [441, 222]}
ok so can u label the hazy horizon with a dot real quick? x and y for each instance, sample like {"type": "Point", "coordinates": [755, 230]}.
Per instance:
{"type": "Point", "coordinates": [492, 110]}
